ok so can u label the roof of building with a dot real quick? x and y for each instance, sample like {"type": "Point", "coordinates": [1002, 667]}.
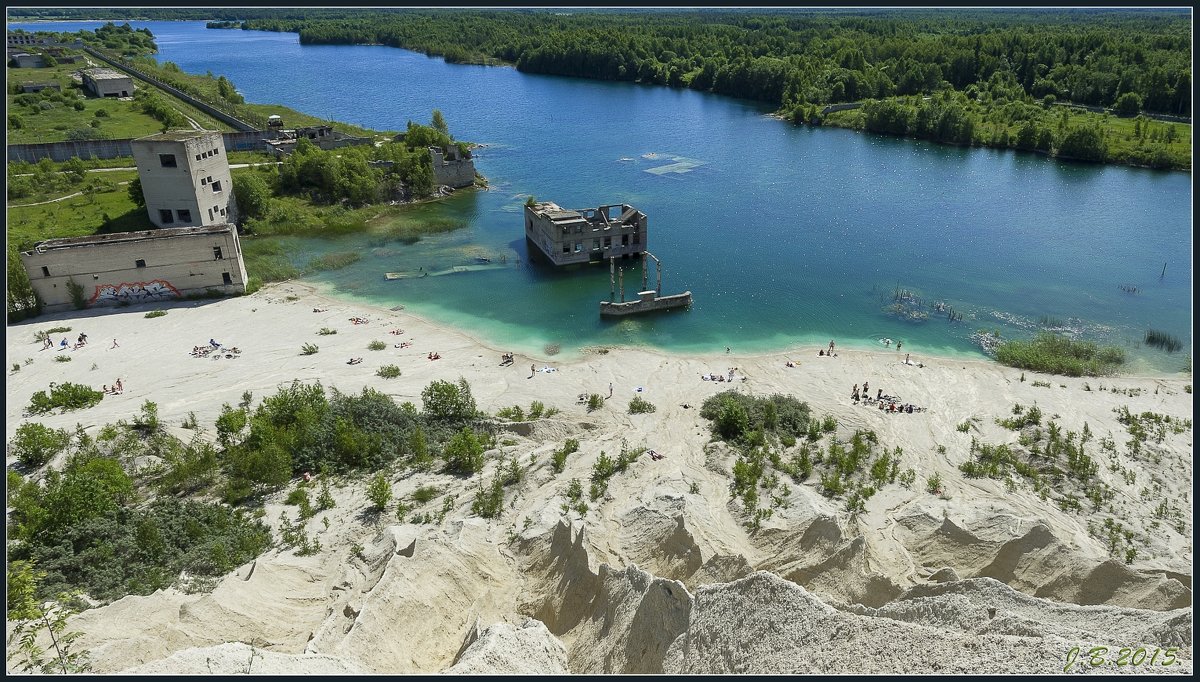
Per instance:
{"type": "Point", "coordinates": [176, 136]}
{"type": "Point", "coordinates": [102, 74]}
{"type": "Point", "coordinates": [118, 237]}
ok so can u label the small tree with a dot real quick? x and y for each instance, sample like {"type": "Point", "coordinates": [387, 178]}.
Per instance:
{"type": "Point", "coordinates": [379, 491]}
{"type": "Point", "coordinates": [139, 199]}
{"type": "Point", "coordinates": [464, 453]}
{"type": "Point", "coordinates": [1128, 104]}
{"type": "Point", "coordinates": [439, 122]}
{"type": "Point", "coordinates": [29, 616]}
{"type": "Point", "coordinates": [443, 400]}
{"type": "Point", "coordinates": [36, 444]}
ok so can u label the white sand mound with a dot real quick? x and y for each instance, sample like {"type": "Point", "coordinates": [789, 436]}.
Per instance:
{"type": "Point", "coordinates": [503, 649]}
{"type": "Point", "coordinates": [236, 658]}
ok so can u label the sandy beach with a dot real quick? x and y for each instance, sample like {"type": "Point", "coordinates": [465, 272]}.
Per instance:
{"type": "Point", "coordinates": [463, 597]}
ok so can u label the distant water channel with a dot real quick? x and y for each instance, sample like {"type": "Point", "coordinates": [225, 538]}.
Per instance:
{"type": "Point", "coordinates": [785, 235]}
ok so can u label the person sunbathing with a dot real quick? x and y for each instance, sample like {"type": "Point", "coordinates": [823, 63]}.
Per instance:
{"type": "Point", "coordinates": [354, 361]}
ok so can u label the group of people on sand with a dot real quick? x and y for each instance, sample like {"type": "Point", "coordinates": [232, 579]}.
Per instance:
{"type": "Point", "coordinates": [654, 455]}
{"type": "Point", "coordinates": [506, 359]}
{"type": "Point", "coordinates": [48, 343]}
{"type": "Point", "coordinates": [719, 377]}
{"type": "Point", "coordinates": [117, 388]}
{"type": "Point", "coordinates": [396, 332]}
{"type": "Point", "coordinates": [433, 355]}
{"type": "Point", "coordinates": [891, 406]}
{"type": "Point", "coordinates": [827, 353]}
{"type": "Point", "coordinates": [359, 320]}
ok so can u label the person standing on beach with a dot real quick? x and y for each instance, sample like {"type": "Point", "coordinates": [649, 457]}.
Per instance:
{"type": "Point", "coordinates": [610, 389]}
{"type": "Point", "coordinates": [830, 345]}
{"type": "Point", "coordinates": [898, 344]}
{"type": "Point", "coordinates": [532, 370]}
{"type": "Point", "coordinates": [906, 359]}
{"type": "Point", "coordinates": [114, 344]}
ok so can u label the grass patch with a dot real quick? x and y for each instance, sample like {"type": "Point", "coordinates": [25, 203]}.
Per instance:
{"type": "Point", "coordinates": [108, 210]}
{"type": "Point", "coordinates": [1163, 340]}
{"type": "Point", "coordinates": [309, 349]}
{"type": "Point", "coordinates": [376, 345]}
{"type": "Point", "coordinates": [155, 313]}
{"type": "Point", "coordinates": [388, 372]}
{"type": "Point", "coordinates": [333, 261]}
{"type": "Point", "coordinates": [326, 331]}
{"type": "Point", "coordinates": [1056, 354]}
{"type": "Point", "coordinates": [62, 358]}
{"type": "Point", "coordinates": [41, 336]}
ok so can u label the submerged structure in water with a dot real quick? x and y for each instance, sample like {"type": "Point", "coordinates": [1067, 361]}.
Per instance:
{"type": "Point", "coordinates": [648, 300]}
{"type": "Point", "coordinates": [566, 237]}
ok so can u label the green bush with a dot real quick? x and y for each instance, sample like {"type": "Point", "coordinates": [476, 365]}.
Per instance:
{"type": "Point", "coordinates": [639, 406]}
{"type": "Point", "coordinates": [309, 349]}
{"type": "Point", "coordinates": [379, 492]}
{"type": "Point", "coordinates": [155, 313]}
{"type": "Point", "coordinates": [425, 494]}
{"type": "Point", "coordinates": [464, 453]}
{"type": "Point", "coordinates": [326, 331]}
{"type": "Point", "coordinates": [446, 401]}
{"type": "Point", "coordinates": [388, 371]}
{"type": "Point", "coordinates": [376, 345]}
{"type": "Point", "coordinates": [489, 501]}
{"type": "Point", "coordinates": [68, 396]}
{"type": "Point", "coordinates": [594, 402]}
{"type": "Point", "coordinates": [559, 459]}
{"type": "Point", "coordinates": [62, 358]}
{"type": "Point", "coordinates": [35, 444]}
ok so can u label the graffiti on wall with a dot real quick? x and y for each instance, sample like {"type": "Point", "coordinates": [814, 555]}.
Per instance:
{"type": "Point", "coordinates": [134, 292]}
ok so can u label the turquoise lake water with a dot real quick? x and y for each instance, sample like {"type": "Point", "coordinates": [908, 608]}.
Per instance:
{"type": "Point", "coordinates": [784, 234]}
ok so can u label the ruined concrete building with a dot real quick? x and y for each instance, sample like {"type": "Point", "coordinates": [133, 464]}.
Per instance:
{"type": "Point", "coordinates": [136, 267]}
{"type": "Point", "coordinates": [585, 236]}
{"type": "Point", "coordinates": [185, 178]}
{"type": "Point", "coordinates": [107, 83]}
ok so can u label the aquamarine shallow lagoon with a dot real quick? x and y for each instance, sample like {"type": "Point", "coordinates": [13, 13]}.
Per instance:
{"type": "Point", "coordinates": [785, 235]}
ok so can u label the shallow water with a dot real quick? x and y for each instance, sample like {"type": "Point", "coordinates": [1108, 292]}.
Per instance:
{"type": "Point", "coordinates": [785, 235]}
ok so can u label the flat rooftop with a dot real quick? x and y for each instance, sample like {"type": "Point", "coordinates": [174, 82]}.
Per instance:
{"type": "Point", "coordinates": [120, 237]}
{"type": "Point", "coordinates": [102, 74]}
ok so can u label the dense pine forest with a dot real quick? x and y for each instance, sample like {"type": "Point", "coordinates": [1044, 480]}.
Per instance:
{"type": "Point", "coordinates": [982, 77]}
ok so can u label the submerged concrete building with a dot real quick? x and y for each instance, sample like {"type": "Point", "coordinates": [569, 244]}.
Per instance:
{"type": "Point", "coordinates": [107, 83]}
{"type": "Point", "coordinates": [185, 178]}
{"type": "Point", "coordinates": [585, 236]}
{"type": "Point", "coordinates": [136, 267]}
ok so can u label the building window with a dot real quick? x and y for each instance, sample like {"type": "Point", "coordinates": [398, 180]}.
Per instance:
{"type": "Point", "coordinates": [203, 181]}
{"type": "Point", "coordinates": [210, 215]}
{"type": "Point", "coordinates": [608, 242]}
{"type": "Point", "coordinates": [167, 160]}
{"type": "Point", "coordinates": [197, 157]}
{"type": "Point", "coordinates": [566, 249]}
{"type": "Point", "coordinates": [216, 186]}
{"type": "Point", "coordinates": [140, 263]}
{"type": "Point", "coordinates": [595, 245]}
{"type": "Point", "coordinates": [216, 253]}
{"type": "Point", "coordinates": [164, 215]}
{"type": "Point", "coordinates": [185, 216]}
{"type": "Point", "coordinates": [637, 238]}
{"type": "Point", "coordinates": [226, 278]}
{"type": "Point", "coordinates": [216, 152]}
{"type": "Point", "coordinates": [624, 240]}
{"type": "Point", "coordinates": [578, 247]}
{"type": "Point", "coordinates": [45, 271]}
{"type": "Point", "coordinates": [222, 211]}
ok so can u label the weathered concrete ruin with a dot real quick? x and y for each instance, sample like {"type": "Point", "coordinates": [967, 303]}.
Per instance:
{"type": "Point", "coordinates": [585, 236]}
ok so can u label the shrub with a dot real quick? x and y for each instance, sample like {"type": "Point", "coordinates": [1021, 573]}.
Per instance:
{"type": "Point", "coordinates": [464, 453]}
{"type": "Point", "coordinates": [35, 444]}
{"type": "Point", "coordinates": [379, 492]}
{"type": "Point", "coordinates": [78, 297]}
{"type": "Point", "coordinates": [559, 459]}
{"type": "Point", "coordinates": [155, 313]}
{"type": "Point", "coordinates": [326, 331]}
{"type": "Point", "coordinates": [309, 349]}
{"type": "Point", "coordinates": [295, 496]}
{"type": "Point", "coordinates": [388, 371]}
{"type": "Point", "coordinates": [62, 358]}
{"type": "Point", "coordinates": [376, 345]}
{"type": "Point", "coordinates": [489, 501]}
{"type": "Point", "coordinates": [639, 406]}
{"type": "Point", "coordinates": [934, 484]}
{"type": "Point", "coordinates": [425, 493]}
{"type": "Point", "coordinates": [536, 409]}
{"type": "Point", "coordinates": [446, 401]}
{"type": "Point", "coordinates": [68, 396]}
{"type": "Point", "coordinates": [594, 402]}
{"type": "Point", "coordinates": [512, 414]}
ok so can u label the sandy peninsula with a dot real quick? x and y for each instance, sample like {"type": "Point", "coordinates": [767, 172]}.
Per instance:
{"type": "Point", "coordinates": [664, 574]}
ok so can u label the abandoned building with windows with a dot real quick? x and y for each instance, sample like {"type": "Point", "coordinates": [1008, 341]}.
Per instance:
{"type": "Point", "coordinates": [590, 235]}
{"type": "Point", "coordinates": [136, 267]}
{"type": "Point", "coordinates": [185, 178]}
{"type": "Point", "coordinates": [107, 83]}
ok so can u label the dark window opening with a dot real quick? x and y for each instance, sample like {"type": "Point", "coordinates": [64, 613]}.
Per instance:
{"type": "Point", "coordinates": [216, 186]}
{"type": "Point", "coordinates": [203, 181]}
{"type": "Point", "coordinates": [45, 271]}
{"type": "Point", "coordinates": [217, 253]}
{"type": "Point", "coordinates": [139, 263]}
{"type": "Point", "coordinates": [226, 278]}
{"type": "Point", "coordinates": [185, 216]}
{"type": "Point", "coordinates": [566, 248]}
{"type": "Point", "coordinates": [197, 157]}
{"type": "Point", "coordinates": [210, 217]}
{"type": "Point", "coordinates": [167, 160]}
{"type": "Point", "coordinates": [164, 215]}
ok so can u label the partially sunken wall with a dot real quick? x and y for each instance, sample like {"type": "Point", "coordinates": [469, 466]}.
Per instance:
{"type": "Point", "coordinates": [452, 170]}
{"type": "Point", "coordinates": [137, 267]}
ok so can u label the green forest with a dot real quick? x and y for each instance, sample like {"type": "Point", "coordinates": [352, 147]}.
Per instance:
{"type": "Point", "coordinates": [971, 77]}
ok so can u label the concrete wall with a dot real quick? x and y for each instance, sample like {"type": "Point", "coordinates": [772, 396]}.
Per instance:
{"type": "Point", "coordinates": [112, 149]}
{"type": "Point", "coordinates": [202, 106]}
{"type": "Point", "coordinates": [453, 171]}
{"type": "Point", "coordinates": [177, 263]}
{"type": "Point", "coordinates": [29, 61]}
{"type": "Point", "coordinates": [189, 186]}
